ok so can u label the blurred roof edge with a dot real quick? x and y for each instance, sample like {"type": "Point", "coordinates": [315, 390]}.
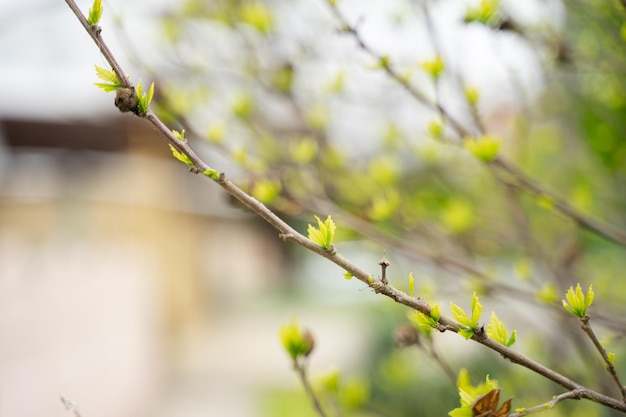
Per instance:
{"type": "Point", "coordinates": [109, 140]}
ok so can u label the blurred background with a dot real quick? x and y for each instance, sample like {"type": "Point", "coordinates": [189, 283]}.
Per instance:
{"type": "Point", "coordinates": [134, 288]}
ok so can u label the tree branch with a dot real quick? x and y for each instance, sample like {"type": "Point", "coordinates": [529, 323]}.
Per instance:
{"type": "Point", "coordinates": [574, 394]}
{"type": "Point", "coordinates": [609, 364]}
{"type": "Point", "coordinates": [300, 368]}
{"type": "Point", "coordinates": [286, 232]}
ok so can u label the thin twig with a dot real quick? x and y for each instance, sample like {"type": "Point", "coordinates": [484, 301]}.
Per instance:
{"type": "Point", "coordinates": [70, 406]}
{"type": "Point", "coordinates": [300, 367]}
{"type": "Point", "coordinates": [521, 180]}
{"type": "Point", "coordinates": [288, 233]}
{"type": "Point", "coordinates": [574, 394]}
{"type": "Point", "coordinates": [609, 364]}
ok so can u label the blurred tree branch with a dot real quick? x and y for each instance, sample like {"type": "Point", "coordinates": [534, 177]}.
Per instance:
{"type": "Point", "coordinates": [184, 152]}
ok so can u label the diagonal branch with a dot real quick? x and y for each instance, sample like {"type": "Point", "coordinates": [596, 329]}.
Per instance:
{"type": "Point", "coordinates": [286, 232]}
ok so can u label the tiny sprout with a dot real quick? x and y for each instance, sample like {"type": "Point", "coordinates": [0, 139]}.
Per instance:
{"type": "Point", "coordinates": [471, 95]}
{"type": "Point", "coordinates": [384, 62]}
{"type": "Point", "coordinates": [95, 13]}
{"type": "Point", "coordinates": [577, 302]}
{"type": "Point", "coordinates": [298, 343]}
{"type": "Point", "coordinates": [322, 235]}
{"type": "Point", "coordinates": [181, 156]}
{"type": "Point", "coordinates": [112, 82]}
{"type": "Point", "coordinates": [434, 67]}
{"type": "Point", "coordinates": [143, 99]}
{"type": "Point", "coordinates": [485, 148]}
{"type": "Point", "coordinates": [211, 173]}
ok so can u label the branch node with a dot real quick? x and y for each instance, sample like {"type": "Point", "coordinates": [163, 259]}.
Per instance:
{"type": "Point", "coordinates": [384, 263]}
{"type": "Point", "coordinates": [286, 236]}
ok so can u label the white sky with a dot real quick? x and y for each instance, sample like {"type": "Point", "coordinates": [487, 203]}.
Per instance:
{"type": "Point", "coordinates": [47, 59]}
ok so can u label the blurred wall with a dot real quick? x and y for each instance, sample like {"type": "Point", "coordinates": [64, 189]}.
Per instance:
{"type": "Point", "coordinates": [111, 256]}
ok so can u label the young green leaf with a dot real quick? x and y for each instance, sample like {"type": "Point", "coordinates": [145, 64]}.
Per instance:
{"type": "Point", "coordinates": [485, 148]}
{"type": "Point", "coordinates": [258, 16]}
{"type": "Point", "coordinates": [347, 275]}
{"type": "Point", "coordinates": [469, 393]}
{"type": "Point", "coordinates": [486, 12]}
{"type": "Point", "coordinates": [471, 95]}
{"type": "Point", "coordinates": [548, 293]}
{"type": "Point", "coordinates": [95, 13]}
{"type": "Point", "coordinates": [477, 311]}
{"type": "Point", "coordinates": [422, 322]}
{"type": "Point", "coordinates": [411, 284]}
{"type": "Point", "coordinates": [112, 82]}
{"type": "Point", "coordinates": [266, 190]}
{"type": "Point", "coordinates": [434, 67]}
{"type": "Point", "coordinates": [459, 315]}
{"type": "Point", "coordinates": [211, 173]}
{"type": "Point", "coordinates": [610, 357]}
{"type": "Point", "coordinates": [355, 393]}
{"type": "Point", "coordinates": [469, 324]}
{"type": "Point", "coordinates": [324, 233]}
{"type": "Point", "coordinates": [179, 135]}
{"type": "Point", "coordinates": [498, 332]}
{"type": "Point", "coordinates": [329, 382]}
{"type": "Point", "coordinates": [577, 302]}
{"type": "Point", "coordinates": [182, 157]}
{"type": "Point", "coordinates": [144, 100]}
{"type": "Point", "coordinates": [384, 62]}
{"type": "Point", "coordinates": [434, 313]}
{"type": "Point", "coordinates": [297, 343]}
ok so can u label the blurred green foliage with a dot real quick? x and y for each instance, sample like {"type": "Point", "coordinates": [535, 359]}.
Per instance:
{"type": "Point", "coordinates": [315, 125]}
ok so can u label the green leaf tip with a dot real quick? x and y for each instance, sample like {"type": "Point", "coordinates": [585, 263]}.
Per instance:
{"type": "Point", "coordinates": [258, 16]}
{"type": "Point", "coordinates": [610, 358]}
{"type": "Point", "coordinates": [425, 323]}
{"type": "Point", "coordinates": [487, 13]}
{"type": "Point", "coordinates": [577, 302]}
{"type": "Point", "coordinates": [470, 325]}
{"type": "Point", "coordinates": [470, 396]}
{"type": "Point", "coordinates": [472, 95]}
{"type": "Point", "coordinates": [324, 233]}
{"type": "Point", "coordinates": [182, 157]}
{"type": "Point", "coordinates": [297, 342]}
{"type": "Point", "coordinates": [434, 67]}
{"type": "Point", "coordinates": [143, 99]}
{"type": "Point", "coordinates": [498, 331]}
{"type": "Point", "coordinates": [95, 13]}
{"type": "Point", "coordinates": [111, 83]}
{"type": "Point", "coordinates": [485, 148]}
{"type": "Point", "coordinates": [179, 135]}
{"type": "Point", "coordinates": [411, 284]}
{"type": "Point", "coordinates": [211, 173]}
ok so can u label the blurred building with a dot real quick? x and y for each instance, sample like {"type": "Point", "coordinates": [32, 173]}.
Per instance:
{"type": "Point", "coordinates": [112, 256]}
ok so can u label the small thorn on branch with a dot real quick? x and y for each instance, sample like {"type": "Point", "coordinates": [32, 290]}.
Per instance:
{"type": "Point", "coordinates": [384, 263]}
{"type": "Point", "coordinates": [286, 236]}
